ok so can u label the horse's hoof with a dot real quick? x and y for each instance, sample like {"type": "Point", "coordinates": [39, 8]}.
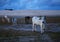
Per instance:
{"type": "Point", "coordinates": [33, 30]}
{"type": "Point", "coordinates": [42, 33]}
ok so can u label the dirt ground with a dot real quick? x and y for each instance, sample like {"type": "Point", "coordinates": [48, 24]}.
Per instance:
{"type": "Point", "coordinates": [24, 33]}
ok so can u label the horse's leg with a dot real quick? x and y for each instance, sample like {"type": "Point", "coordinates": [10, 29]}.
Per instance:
{"type": "Point", "coordinates": [43, 25]}
{"type": "Point", "coordinates": [33, 27]}
{"type": "Point", "coordinates": [14, 20]}
{"type": "Point", "coordinates": [41, 28]}
{"type": "Point", "coordinates": [8, 20]}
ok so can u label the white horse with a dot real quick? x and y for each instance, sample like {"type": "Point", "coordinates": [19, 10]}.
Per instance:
{"type": "Point", "coordinates": [14, 20]}
{"type": "Point", "coordinates": [38, 21]}
{"type": "Point", "coordinates": [7, 18]}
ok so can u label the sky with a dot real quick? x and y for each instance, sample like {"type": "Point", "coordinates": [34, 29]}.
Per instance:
{"type": "Point", "coordinates": [30, 4]}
